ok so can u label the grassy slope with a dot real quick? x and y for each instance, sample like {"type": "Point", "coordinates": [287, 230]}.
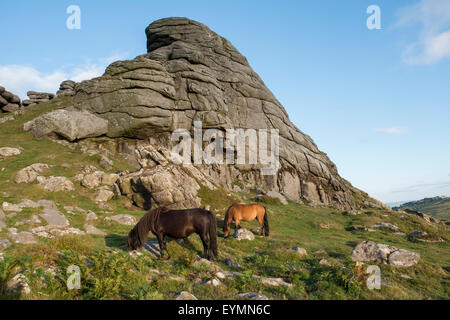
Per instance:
{"type": "Point", "coordinates": [438, 208]}
{"type": "Point", "coordinates": [109, 272]}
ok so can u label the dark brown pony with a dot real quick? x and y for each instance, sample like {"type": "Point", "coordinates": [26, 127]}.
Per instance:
{"type": "Point", "coordinates": [246, 212]}
{"type": "Point", "coordinates": [177, 224]}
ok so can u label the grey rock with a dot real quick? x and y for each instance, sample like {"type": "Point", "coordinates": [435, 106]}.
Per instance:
{"type": "Point", "coordinates": [30, 173]}
{"type": "Point", "coordinates": [252, 296]}
{"type": "Point", "coordinates": [6, 152]}
{"type": "Point", "coordinates": [103, 195]}
{"type": "Point", "coordinates": [23, 237]}
{"type": "Point", "coordinates": [94, 231]}
{"type": "Point", "coordinates": [370, 251]}
{"type": "Point", "coordinates": [55, 184]}
{"type": "Point", "coordinates": [244, 234]}
{"type": "Point", "coordinates": [123, 219]}
{"type": "Point", "coordinates": [18, 285]}
{"type": "Point", "coordinates": [184, 295]}
{"type": "Point", "coordinates": [4, 244]}
{"type": "Point", "coordinates": [54, 217]}
{"type": "Point", "coordinates": [298, 250]}
{"type": "Point", "coordinates": [385, 225]}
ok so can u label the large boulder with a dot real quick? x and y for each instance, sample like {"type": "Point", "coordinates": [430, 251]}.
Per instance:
{"type": "Point", "coordinates": [30, 173]}
{"type": "Point", "coordinates": [72, 125]}
{"type": "Point", "coordinates": [369, 251]}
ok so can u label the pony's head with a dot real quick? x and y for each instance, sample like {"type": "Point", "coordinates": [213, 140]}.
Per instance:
{"type": "Point", "coordinates": [139, 234]}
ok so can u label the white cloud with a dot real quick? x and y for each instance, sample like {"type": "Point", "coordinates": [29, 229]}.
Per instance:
{"type": "Point", "coordinates": [393, 130]}
{"type": "Point", "coordinates": [433, 41]}
{"type": "Point", "coordinates": [20, 78]}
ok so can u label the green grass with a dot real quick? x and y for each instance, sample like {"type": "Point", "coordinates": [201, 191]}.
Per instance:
{"type": "Point", "coordinates": [108, 272]}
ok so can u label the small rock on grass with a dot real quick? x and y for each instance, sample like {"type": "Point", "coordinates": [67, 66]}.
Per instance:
{"type": "Point", "coordinates": [252, 296]}
{"type": "Point", "coordinates": [184, 295]}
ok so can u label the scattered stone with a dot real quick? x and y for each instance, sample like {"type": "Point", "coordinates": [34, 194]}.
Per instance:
{"type": "Point", "coordinates": [18, 285]}
{"type": "Point", "coordinates": [90, 216]}
{"type": "Point", "coordinates": [357, 228]}
{"type": "Point", "coordinates": [6, 152]}
{"type": "Point", "coordinates": [26, 203]}
{"type": "Point", "coordinates": [275, 282]}
{"type": "Point", "coordinates": [402, 234]}
{"type": "Point", "coordinates": [56, 184]}
{"type": "Point", "coordinates": [325, 226]}
{"type": "Point", "coordinates": [123, 219]}
{"type": "Point", "coordinates": [54, 217]}
{"type": "Point", "coordinates": [403, 258]}
{"type": "Point", "coordinates": [385, 254]}
{"type": "Point", "coordinates": [109, 179]}
{"type": "Point", "coordinates": [244, 234]}
{"type": "Point", "coordinates": [4, 244]}
{"type": "Point", "coordinates": [184, 295]}
{"type": "Point", "coordinates": [106, 163]}
{"type": "Point", "coordinates": [6, 119]}
{"type": "Point", "coordinates": [414, 235]}
{"type": "Point", "coordinates": [92, 180]}
{"type": "Point", "coordinates": [352, 212]}
{"type": "Point", "coordinates": [30, 173]}
{"type": "Point", "coordinates": [422, 215]}
{"type": "Point", "coordinates": [51, 232]}
{"type": "Point", "coordinates": [8, 207]}
{"type": "Point", "coordinates": [213, 282]}
{"type": "Point", "coordinates": [405, 276]}
{"type": "Point", "coordinates": [298, 250]}
{"type": "Point", "coordinates": [324, 262]}
{"type": "Point", "coordinates": [385, 225]}
{"type": "Point", "coordinates": [23, 237]}
{"type": "Point", "coordinates": [94, 231]}
{"type": "Point", "coordinates": [231, 263]}
{"type": "Point", "coordinates": [252, 296]}
{"type": "Point", "coordinates": [103, 195]}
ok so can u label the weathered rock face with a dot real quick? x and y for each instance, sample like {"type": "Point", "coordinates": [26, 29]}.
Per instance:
{"type": "Point", "coordinates": [192, 74]}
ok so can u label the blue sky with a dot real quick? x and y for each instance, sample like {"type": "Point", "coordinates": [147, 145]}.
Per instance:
{"type": "Point", "coordinates": [376, 101]}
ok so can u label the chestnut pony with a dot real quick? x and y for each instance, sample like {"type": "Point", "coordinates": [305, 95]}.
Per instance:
{"type": "Point", "coordinates": [177, 224]}
{"type": "Point", "coordinates": [246, 212]}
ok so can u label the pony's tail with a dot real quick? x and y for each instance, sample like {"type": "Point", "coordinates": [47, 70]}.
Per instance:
{"type": "Point", "coordinates": [225, 220]}
{"type": "Point", "coordinates": [213, 234]}
{"type": "Point", "coordinates": [266, 223]}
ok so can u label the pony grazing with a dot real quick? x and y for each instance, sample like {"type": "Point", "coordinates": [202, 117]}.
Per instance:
{"type": "Point", "coordinates": [246, 212]}
{"type": "Point", "coordinates": [177, 224]}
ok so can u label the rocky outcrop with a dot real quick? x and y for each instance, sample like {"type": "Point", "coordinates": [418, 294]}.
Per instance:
{"type": "Point", "coordinates": [66, 89]}
{"type": "Point", "coordinates": [9, 102]}
{"type": "Point", "coordinates": [37, 97]}
{"type": "Point", "coordinates": [192, 74]}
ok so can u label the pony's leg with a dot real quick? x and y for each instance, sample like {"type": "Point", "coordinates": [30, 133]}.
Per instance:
{"type": "Point", "coordinates": [162, 245]}
{"type": "Point", "coordinates": [261, 224]}
{"type": "Point", "coordinates": [237, 224]}
{"type": "Point", "coordinates": [206, 245]}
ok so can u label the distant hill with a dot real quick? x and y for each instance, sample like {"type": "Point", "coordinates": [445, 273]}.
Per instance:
{"type": "Point", "coordinates": [438, 207]}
